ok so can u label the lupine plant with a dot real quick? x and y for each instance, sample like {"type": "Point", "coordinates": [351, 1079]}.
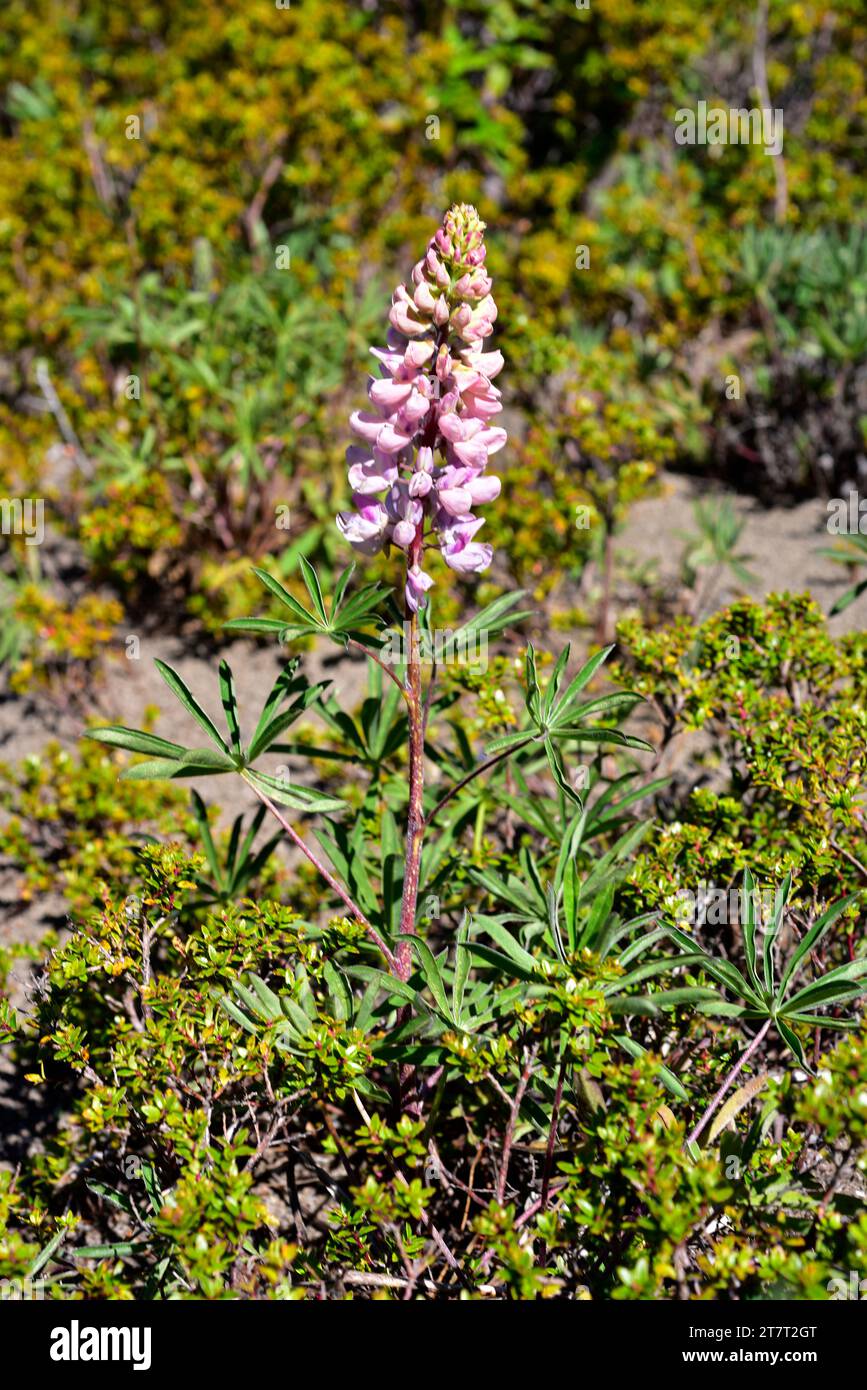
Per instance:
{"type": "Point", "coordinates": [420, 471]}
{"type": "Point", "coordinates": [433, 1014]}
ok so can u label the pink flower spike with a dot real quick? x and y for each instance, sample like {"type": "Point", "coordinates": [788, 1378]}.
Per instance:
{"type": "Point", "coordinates": [403, 534]}
{"type": "Point", "coordinates": [417, 585]}
{"type": "Point", "coordinates": [471, 559]}
{"type": "Point", "coordinates": [472, 452]}
{"type": "Point", "coordinates": [390, 440]}
{"type": "Point", "coordinates": [418, 353]}
{"type": "Point", "coordinates": [388, 395]}
{"type": "Point", "coordinates": [367, 426]}
{"type": "Point", "coordinates": [494, 438]}
{"type": "Point", "coordinates": [427, 438]}
{"type": "Point", "coordinates": [484, 489]}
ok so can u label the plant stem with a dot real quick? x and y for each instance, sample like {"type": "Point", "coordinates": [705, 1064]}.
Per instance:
{"type": "Point", "coordinates": [330, 880]}
{"type": "Point", "coordinates": [513, 1120]}
{"type": "Point", "coordinates": [742, 1060]}
{"type": "Point", "coordinates": [415, 825]}
{"type": "Point", "coordinates": [552, 1133]}
{"type": "Point", "coordinates": [360, 647]}
{"type": "Point", "coordinates": [476, 772]}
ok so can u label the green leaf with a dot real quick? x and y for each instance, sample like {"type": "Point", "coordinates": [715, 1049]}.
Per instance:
{"type": "Point", "coordinates": [812, 937]}
{"type": "Point", "coordinates": [558, 771]}
{"type": "Point", "coordinates": [833, 984]}
{"type": "Point", "coordinates": [46, 1253]}
{"type": "Point", "coordinates": [392, 987]}
{"type": "Point", "coordinates": [105, 1252]}
{"type": "Point", "coordinates": [463, 960]}
{"type": "Point", "coordinates": [772, 932]}
{"type": "Point", "coordinates": [261, 625]}
{"type": "Point", "coordinates": [311, 582]}
{"type": "Point", "coordinates": [494, 617]}
{"type": "Point", "coordinates": [848, 597]}
{"type": "Point", "coordinates": [514, 741]}
{"type": "Point", "coordinates": [300, 613]}
{"type": "Point", "coordinates": [721, 970]}
{"type": "Point", "coordinates": [230, 705]}
{"type": "Point", "coordinates": [578, 682]}
{"type": "Point", "coordinates": [136, 742]}
{"type": "Point", "coordinates": [504, 939]}
{"type": "Point", "coordinates": [667, 1077]}
{"type": "Point", "coordinates": [339, 993]}
{"type": "Point", "coordinates": [431, 972]}
{"type": "Point", "coordinates": [299, 1019]}
{"type": "Point", "coordinates": [340, 588]}
{"type": "Point", "coordinates": [793, 1042]}
{"type": "Point", "coordinates": [196, 762]}
{"type": "Point", "coordinates": [501, 962]}
{"type": "Point", "coordinates": [237, 1014]}
{"type": "Point", "coordinates": [201, 814]}
{"type": "Point", "coordinates": [596, 735]}
{"type": "Point", "coordinates": [179, 689]}
{"type": "Point", "coordinates": [533, 696]}
{"type": "Point", "coordinates": [296, 797]}
{"type": "Point", "coordinates": [749, 926]}
{"type": "Point", "coordinates": [555, 681]}
{"type": "Point", "coordinates": [269, 1002]}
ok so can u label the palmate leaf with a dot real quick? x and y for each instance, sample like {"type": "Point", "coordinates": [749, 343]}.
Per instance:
{"type": "Point", "coordinates": [494, 618]}
{"type": "Point", "coordinates": [772, 932]}
{"type": "Point", "coordinates": [763, 1000]}
{"type": "Point", "coordinates": [553, 718]}
{"type": "Point", "coordinates": [172, 760]}
{"type": "Point", "coordinates": [289, 794]}
{"type": "Point", "coordinates": [178, 688]}
{"type": "Point", "coordinates": [812, 938]}
{"type": "Point", "coordinates": [347, 619]}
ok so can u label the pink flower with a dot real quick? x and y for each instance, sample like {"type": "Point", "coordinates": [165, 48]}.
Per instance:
{"type": "Point", "coordinates": [422, 465]}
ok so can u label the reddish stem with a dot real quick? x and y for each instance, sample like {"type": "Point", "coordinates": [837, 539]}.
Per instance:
{"type": "Point", "coordinates": [415, 825]}
{"type": "Point", "coordinates": [743, 1059]}
{"type": "Point", "coordinates": [330, 880]}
